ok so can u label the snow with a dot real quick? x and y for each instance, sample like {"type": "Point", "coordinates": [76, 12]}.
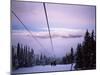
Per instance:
{"type": "Point", "coordinates": [45, 68]}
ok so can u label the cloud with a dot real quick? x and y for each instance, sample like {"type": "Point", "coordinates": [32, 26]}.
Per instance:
{"type": "Point", "coordinates": [55, 33]}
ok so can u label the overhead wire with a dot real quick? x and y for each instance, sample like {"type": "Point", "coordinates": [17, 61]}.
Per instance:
{"type": "Point", "coordinates": [46, 15]}
{"type": "Point", "coordinates": [28, 30]}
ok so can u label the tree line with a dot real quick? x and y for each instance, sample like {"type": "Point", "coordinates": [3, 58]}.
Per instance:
{"type": "Point", "coordinates": [85, 56]}
{"type": "Point", "coordinates": [22, 56]}
{"type": "Point", "coordinates": [86, 52]}
{"type": "Point", "coordinates": [68, 58]}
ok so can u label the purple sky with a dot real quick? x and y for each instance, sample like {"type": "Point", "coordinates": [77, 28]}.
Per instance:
{"type": "Point", "coordinates": [59, 15]}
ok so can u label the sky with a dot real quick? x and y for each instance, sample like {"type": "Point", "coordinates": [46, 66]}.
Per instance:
{"type": "Point", "coordinates": [65, 21]}
{"type": "Point", "coordinates": [59, 16]}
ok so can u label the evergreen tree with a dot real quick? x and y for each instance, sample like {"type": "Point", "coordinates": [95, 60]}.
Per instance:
{"type": "Point", "coordinates": [79, 57]}
{"type": "Point", "coordinates": [87, 51]}
{"type": "Point", "coordinates": [72, 55]}
{"type": "Point", "coordinates": [32, 56]}
{"type": "Point", "coordinates": [18, 54]}
{"type": "Point", "coordinates": [21, 56]}
{"type": "Point", "coordinates": [86, 54]}
{"type": "Point", "coordinates": [72, 58]}
{"type": "Point", "coordinates": [13, 58]}
{"type": "Point", "coordinates": [93, 51]}
{"type": "Point", "coordinates": [24, 56]}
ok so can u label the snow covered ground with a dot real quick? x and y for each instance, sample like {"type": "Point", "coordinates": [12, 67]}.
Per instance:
{"type": "Point", "coordinates": [46, 68]}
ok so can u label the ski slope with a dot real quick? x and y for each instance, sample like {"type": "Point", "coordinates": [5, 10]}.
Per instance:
{"type": "Point", "coordinates": [45, 68]}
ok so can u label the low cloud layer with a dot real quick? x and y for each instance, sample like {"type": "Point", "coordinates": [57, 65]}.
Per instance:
{"type": "Point", "coordinates": [57, 32]}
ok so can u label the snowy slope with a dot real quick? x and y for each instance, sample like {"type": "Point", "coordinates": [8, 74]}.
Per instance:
{"type": "Point", "coordinates": [47, 68]}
